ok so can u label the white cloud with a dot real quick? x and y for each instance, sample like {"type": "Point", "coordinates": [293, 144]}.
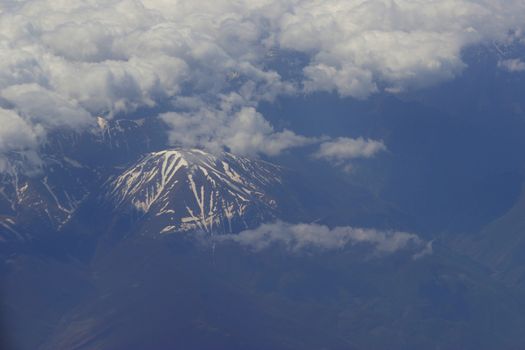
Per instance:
{"type": "Point", "coordinates": [343, 150]}
{"type": "Point", "coordinates": [299, 238]}
{"type": "Point", "coordinates": [63, 60]}
{"type": "Point", "coordinates": [357, 46]}
{"type": "Point", "coordinates": [17, 135]}
{"type": "Point", "coordinates": [114, 56]}
{"type": "Point", "coordinates": [512, 65]}
{"type": "Point", "coordinates": [428, 250]}
{"type": "Point", "coordinates": [45, 107]}
{"type": "Point", "coordinates": [15, 132]}
{"type": "Point", "coordinates": [240, 130]}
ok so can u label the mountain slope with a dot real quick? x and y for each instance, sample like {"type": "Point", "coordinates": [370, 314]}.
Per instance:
{"type": "Point", "coordinates": [500, 245]}
{"type": "Point", "coordinates": [34, 205]}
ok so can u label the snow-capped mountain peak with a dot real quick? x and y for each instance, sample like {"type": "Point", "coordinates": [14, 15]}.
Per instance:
{"type": "Point", "coordinates": [183, 190]}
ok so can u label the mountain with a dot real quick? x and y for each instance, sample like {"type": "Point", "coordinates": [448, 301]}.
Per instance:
{"type": "Point", "coordinates": [41, 197]}
{"type": "Point", "coordinates": [124, 180]}
{"type": "Point", "coordinates": [186, 190]}
{"type": "Point", "coordinates": [123, 177]}
{"type": "Point", "coordinates": [500, 245]}
{"type": "Point", "coordinates": [35, 204]}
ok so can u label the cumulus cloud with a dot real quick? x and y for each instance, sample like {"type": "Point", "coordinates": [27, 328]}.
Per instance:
{"type": "Point", "coordinates": [298, 238]}
{"type": "Point", "coordinates": [357, 47]}
{"type": "Point", "coordinates": [44, 107]}
{"type": "Point", "coordinates": [241, 131]}
{"type": "Point", "coordinates": [512, 65]}
{"type": "Point", "coordinates": [63, 61]}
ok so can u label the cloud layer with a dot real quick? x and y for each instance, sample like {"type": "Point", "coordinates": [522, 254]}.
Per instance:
{"type": "Point", "coordinates": [360, 47]}
{"type": "Point", "coordinates": [63, 62]}
{"type": "Point", "coordinates": [307, 237]}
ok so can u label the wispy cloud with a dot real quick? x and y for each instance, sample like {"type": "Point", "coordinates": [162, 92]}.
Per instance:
{"type": "Point", "coordinates": [512, 65]}
{"type": "Point", "coordinates": [343, 150]}
{"type": "Point", "coordinates": [298, 238]}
